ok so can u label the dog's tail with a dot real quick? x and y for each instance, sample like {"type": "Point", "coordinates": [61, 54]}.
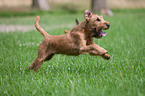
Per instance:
{"type": "Point", "coordinates": [43, 32]}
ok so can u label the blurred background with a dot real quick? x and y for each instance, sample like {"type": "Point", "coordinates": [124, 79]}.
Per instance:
{"type": "Point", "coordinates": [85, 75]}
{"type": "Point", "coordinates": [27, 5]}
{"type": "Point", "coordinates": [12, 8]}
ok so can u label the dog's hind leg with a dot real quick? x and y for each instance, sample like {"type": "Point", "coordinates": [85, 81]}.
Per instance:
{"type": "Point", "coordinates": [44, 54]}
{"type": "Point", "coordinates": [36, 64]}
{"type": "Point", "coordinates": [49, 57]}
{"type": "Point", "coordinates": [39, 60]}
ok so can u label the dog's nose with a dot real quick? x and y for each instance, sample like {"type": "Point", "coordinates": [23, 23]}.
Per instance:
{"type": "Point", "coordinates": [108, 25]}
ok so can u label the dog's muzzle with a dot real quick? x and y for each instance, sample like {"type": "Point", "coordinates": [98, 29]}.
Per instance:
{"type": "Point", "coordinates": [108, 25]}
{"type": "Point", "coordinates": [99, 33]}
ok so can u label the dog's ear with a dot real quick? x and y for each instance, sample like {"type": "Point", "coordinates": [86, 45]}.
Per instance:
{"type": "Point", "coordinates": [77, 22]}
{"type": "Point", "coordinates": [87, 14]}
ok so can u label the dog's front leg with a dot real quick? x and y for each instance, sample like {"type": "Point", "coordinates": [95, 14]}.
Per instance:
{"type": "Point", "coordinates": [86, 49]}
{"type": "Point", "coordinates": [94, 50]}
{"type": "Point", "coordinates": [94, 47]}
{"type": "Point", "coordinates": [99, 51]}
{"type": "Point", "coordinates": [95, 53]}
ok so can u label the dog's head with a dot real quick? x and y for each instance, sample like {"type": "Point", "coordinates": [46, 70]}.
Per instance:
{"type": "Point", "coordinates": [96, 24]}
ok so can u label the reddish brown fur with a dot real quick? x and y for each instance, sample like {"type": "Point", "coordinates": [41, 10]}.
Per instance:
{"type": "Point", "coordinates": [79, 40]}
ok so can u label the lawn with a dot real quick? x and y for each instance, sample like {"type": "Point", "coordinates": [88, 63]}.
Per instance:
{"type": "Point", "coordinates": [84, 75]}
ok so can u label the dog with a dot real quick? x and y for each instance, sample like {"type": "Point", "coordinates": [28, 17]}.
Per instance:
{"type": "Point", "coordinates": [79, 40]}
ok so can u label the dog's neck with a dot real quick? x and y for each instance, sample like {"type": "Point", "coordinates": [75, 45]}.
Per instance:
{"type": "Point", "coordinates": [85, 28]}
{"type": "Point", "coordinates": [89, 36]}
{"type": "Point", "coordinates": [87, 32]}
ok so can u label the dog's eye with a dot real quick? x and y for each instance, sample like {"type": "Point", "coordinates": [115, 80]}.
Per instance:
{"type": "Point", "coordinates": [98, 19]}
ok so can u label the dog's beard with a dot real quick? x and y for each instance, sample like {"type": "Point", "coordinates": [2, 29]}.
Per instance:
{"type": "Point", "coordinates": [98, 33]}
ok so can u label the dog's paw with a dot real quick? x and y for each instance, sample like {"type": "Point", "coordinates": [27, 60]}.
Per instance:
{"type": "Point", "coordinates": [106, 56]}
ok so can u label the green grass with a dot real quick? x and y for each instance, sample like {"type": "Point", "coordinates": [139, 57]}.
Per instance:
{"type": "Point", "coordinates": [84, 75]}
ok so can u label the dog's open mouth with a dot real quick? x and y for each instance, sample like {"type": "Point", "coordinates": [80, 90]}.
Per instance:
{"type": "Point", "coordinates": [99, 33]}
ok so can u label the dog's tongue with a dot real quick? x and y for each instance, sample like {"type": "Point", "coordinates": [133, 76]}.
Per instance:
{"type": "Point", "coordinates": [104, 33]}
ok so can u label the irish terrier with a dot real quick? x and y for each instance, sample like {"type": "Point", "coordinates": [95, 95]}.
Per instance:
{"type": "Point", "coordinates": [79, 40]}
